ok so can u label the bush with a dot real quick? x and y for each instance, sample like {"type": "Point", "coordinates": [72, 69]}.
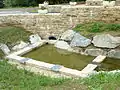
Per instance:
{"type": "Point", "coordinates": [17, 3]}
{"type": "Point", "coordinates": [1, 4]}
{"type": "Point", "coordinates": [9, 3]}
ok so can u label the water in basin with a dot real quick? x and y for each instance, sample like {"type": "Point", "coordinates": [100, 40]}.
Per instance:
{"type": "Point", "coordinates": [49, 54]}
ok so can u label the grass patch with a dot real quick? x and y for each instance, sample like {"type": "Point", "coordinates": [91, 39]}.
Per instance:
{"type": "Point", "coordinates": [13, 79]}
{"type": "Point", "coordinates": [97, 27]}
{"type": "Point", "coordinates": [10, 35]}
{"type": "Point", "coordinates": [103, 81]}
{"type": "Point", "coordinates": [1, 54]}
{"type": "Point", "coordinates": [33, 11]}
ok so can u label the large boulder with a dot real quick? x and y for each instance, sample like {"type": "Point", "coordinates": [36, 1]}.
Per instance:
{"type": "Point", "coordinates": [106, 41]}
{"type": "Point", "coordinates": [114, 54]}
{"type": "Point", "coordinates": [62, 45]}
{"type": "Point", "coordinates": [79, 40]}
{"type": "Point", "coordinates": [95, 52]}
{"type": "Point", "coordinates": [68, 35]}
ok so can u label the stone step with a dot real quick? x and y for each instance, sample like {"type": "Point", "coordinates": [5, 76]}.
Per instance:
{"type": "Point", "coordinates": [99, 59]}
{"type": "Point", "coordinates": [90, 67]}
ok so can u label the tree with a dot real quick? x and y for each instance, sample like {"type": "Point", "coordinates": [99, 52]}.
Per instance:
{"type": "Point", "coordinates": [8, 3]}
{"type": "Point", "coordinates": [17, 3]}
{"type": "Point", "coordinates": [1, 3]}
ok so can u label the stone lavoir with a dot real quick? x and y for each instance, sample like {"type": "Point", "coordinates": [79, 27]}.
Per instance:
{"type": "Point", "coordinates": [69, 62]}
{"type": "Point", "coordinates": [54, 24]}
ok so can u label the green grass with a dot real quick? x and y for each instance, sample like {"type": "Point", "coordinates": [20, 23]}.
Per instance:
{"type": "Point", "coordinates": [97, 27]}
{"type": "Point", "coordinates": [10, 35]}
{"type": "Point", "coordinates": [33, 11]}
{"type": "Point", "coordinates": [13, 79]}
{"type": "Point", "coordinates": [103, 81]}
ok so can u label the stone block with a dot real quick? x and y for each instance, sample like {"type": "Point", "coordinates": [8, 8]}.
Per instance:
{"type": "Point", "coordinates": [94, 2]}
{"type": "Point", "coordinates": [95, 52]}
{"type": "Point", "coordinates": [117, 3]}
{"type": "Point", "coordinates": [54, 8]}
{"type": "Point", "coordinates": [114, 54]}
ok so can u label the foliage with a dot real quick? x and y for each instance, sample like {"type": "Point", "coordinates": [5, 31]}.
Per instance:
{"type": "Point", "coordinates": [17, 3]}
{"type": "Point", "coordinates": [73, 0]}
{"type": "Point", "coordinates": [26, 3]}
{"type": "Point", "coordinates": [8, 3]}
{"type": "Point", "coordinates": [77, 0]}
{"type": "Point", "coordinates": [43, 8]}
{"type": "Point", "coordinates": [1, 4]}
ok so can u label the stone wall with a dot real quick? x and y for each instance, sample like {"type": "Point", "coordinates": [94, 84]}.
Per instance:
{"type": "Point", "coordinates": [93, 13]}
{"type": "Point", "coordinates": [117, 3]}
{"type": "Point", "coordinates": [55, 24]}
{"type": "Point", "coordinates": [42, 24]}
{"type": "Point", "coordinates": [94, 2]}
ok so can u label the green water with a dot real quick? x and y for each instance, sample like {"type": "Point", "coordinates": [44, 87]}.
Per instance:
{"type": "Point", "coordinates": [109, 64]}
{"type": "Point", "coordinates": [50, 54]}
